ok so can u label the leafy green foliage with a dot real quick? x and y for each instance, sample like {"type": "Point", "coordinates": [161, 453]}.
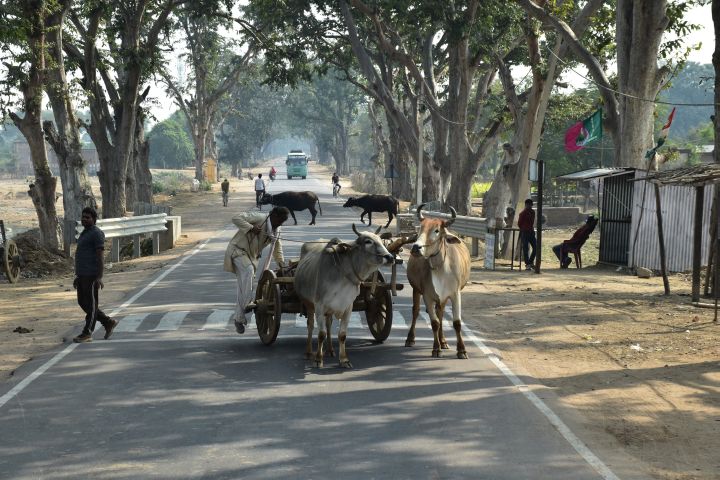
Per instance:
{"type": "Point", "coordinates": [170, 143]}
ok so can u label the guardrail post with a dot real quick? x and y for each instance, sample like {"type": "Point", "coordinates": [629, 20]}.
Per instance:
{"type": "Point", "coordinates": [475, 249]}
{"type": "Point", "coordinates": [115, 250]}
{"type": "Point", "coordinates": [136, 246]}
{"type": "Point", "coordinates": [156, 242]}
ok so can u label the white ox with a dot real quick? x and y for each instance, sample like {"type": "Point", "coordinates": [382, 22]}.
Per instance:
{"type": "Point", "coordinates": [438, 268]}
{"type": "Point", "coordinates": [327, 281]}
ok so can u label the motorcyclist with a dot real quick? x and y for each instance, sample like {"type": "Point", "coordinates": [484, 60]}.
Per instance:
{"type": "Point", "coordinates": [273, 172]}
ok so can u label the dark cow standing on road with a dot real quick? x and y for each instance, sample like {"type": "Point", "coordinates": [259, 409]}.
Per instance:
{"type": "Point", "coordinates": [374, 203]}
{"type": "Point", "coordinates": [295, 202]}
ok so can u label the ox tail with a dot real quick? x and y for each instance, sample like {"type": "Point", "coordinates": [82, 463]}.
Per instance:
{"type": "Point", "coordinates": [319, 206]}
{"type": "Point", "coordinates": [397, 206]}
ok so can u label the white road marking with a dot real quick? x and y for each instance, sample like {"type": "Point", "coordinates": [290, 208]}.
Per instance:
{"type": "Point", "coordinates": [398, 322]}
{"type": "Point", "coordinates": [218, 320]}
{"type": "Point", "coordinates": [171, 321]}
{"type": "Point", "coordinates": [130, 323]}
{"type": "Point", "coordinates": [64, 352]}
{"type": "Point", "coordinates": [552, 417]}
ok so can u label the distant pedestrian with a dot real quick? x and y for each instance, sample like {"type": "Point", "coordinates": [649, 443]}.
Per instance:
{"type": "Point", "coordinates": [225, 187]}
{"type": "Point", "coordinates": [255, 232]}
{"type": "Point", "coordinates": [526, 223]}
{"type": "Point", "coordinates": [259, 190]}
{"type": "Point", "coordinates": [89, 266]}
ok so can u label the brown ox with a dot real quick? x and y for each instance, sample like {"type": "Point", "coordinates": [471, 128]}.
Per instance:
{"type": "Point", "coordinates": [438, 268]}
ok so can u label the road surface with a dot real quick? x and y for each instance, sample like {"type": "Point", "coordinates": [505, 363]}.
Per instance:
{"type": "Point", "coordinates": [177, 394]}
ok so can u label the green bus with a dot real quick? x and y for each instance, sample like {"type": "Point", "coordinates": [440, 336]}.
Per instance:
{"type": "Point", "coordinates": [296, 164]}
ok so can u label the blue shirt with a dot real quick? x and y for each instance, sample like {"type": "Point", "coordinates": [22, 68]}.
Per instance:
{"type": "Point", "coordinates": [86, 259]}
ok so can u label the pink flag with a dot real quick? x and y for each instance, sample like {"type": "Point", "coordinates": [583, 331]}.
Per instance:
{"type": "Point", "coordinates": [571, 136]}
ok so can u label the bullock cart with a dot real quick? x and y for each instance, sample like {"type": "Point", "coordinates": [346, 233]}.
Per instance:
{"type": "Point", "coordinates": [9, 256]}
{"type": "Point", "coordinates": [275, 295]}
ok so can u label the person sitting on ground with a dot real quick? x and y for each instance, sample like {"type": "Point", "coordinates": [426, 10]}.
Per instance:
{"type": "Point", "coordinates": [526, 222]}
{"type": "Point", "coordinates": [577, 240]}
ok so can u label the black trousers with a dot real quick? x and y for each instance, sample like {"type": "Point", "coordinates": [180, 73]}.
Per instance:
{"type": "Point", "coordinates": [87, 297]}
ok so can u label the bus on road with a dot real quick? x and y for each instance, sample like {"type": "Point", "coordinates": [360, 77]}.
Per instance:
{"type": "Point", "coordinates": [296, 164]}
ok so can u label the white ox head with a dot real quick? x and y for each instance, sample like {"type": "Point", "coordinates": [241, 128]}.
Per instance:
{"type": "Point", "coordinates": [433, 232]}
{"type": "Point", "coordinates": [368, 244]}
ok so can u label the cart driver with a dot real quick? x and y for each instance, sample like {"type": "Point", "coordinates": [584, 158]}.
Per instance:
{"type": "Point", "coordinates": [255, 232]}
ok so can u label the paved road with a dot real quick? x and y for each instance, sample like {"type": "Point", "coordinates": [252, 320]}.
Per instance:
{"type": "Point", "coordinates": [178, 394]}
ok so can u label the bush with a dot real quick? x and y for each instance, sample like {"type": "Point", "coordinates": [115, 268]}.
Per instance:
{"type": "Point", "coordinates": [479, 189]}
{"type": "Point", "coordinates": [205, 186]}
{"type": "Point", "coordinates": [170, 182]}
{"type": "Point", "coordinates": [362, 182]}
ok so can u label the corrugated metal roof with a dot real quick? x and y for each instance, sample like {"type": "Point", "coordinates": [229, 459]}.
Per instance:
{"type": "Point", "coordinates": [591, 173]}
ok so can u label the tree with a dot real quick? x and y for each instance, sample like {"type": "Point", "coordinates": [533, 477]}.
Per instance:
{"type": "Point", "coordinates": [326, 109]}
{"type": "Point", "coordinates": [628, 106]}
{"type": "Point", "coordinates": [115, 45]}
{"type": "Point", "coordinates": [215, 61]}
{"type": "Point", "coordinates": [64, 134]}
{"type": "Point", "coordinates": [170, 143]}
{"type": "Point", "coordinates": [25, 38]}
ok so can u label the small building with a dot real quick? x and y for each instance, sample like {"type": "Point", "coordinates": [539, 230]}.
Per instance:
{"type": "Point", "coordinates": [24, 166]}
{"type": "Point", "coordinates": [628, 221]}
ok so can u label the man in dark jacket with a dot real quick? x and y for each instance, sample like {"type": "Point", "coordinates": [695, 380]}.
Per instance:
{"type": "Point", "coordinates": [526, 222]}
{"type": "Point", "coordinates": [89, 268]}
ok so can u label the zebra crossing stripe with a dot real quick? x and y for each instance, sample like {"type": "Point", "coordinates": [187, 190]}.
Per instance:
{"type": "Point", "coordinates": [355, 321]}
{"type": "Point", "coordinates": [218, 320]}
{"type": "Point", "coordinates": [170, 321]}
{"type": "Point", "coordinates": [130, 323]}
{"type": "Point", "coordinates": [399, 321]}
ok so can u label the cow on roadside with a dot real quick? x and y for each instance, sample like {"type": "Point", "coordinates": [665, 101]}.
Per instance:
{"type": "Point", "coordinates": [294, 201]}
{"type": "Point", "coordinates": [327, 281]}
{"type": "Point", "coordinates": [438, 268]}
{"type": "Point", "coordinates": [374, 203]}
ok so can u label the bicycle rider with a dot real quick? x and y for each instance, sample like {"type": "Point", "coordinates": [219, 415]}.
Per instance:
{"type": "Point", "coordinates": [336, 184]}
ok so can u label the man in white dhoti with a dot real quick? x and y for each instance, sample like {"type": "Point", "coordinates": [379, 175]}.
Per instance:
{"type": "Point", "coordinates": [255, 232]}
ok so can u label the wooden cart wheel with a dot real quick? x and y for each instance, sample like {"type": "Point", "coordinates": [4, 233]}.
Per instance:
{"type": "Point", "coordinates": [269, 308]}
{"type": "Point", "coordinates": [11, 261]}
{"type": "Point", "coordinates": [378, 310]}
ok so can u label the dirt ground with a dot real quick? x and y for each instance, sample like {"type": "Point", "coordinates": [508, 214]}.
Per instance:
{"type": "Point", "coordinates": [634, 369]}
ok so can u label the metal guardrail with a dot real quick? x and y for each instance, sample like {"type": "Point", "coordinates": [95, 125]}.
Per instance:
{"type": "Point", "coordinates": [117, 228]}
{"type": "Point", "coordinates": [144, 208]}
{"type": "Point", "coordinates": [473, 227]}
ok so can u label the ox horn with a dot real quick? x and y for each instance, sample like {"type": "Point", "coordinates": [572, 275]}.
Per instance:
{"type": "Point", "coordinates": [377, 232]}
{"type": "Point", "coordinates": [419, 213]}
{"type": "Point", "coordinates": [355, 230]}
{"type": "Point", "coordinates": [452, 219]}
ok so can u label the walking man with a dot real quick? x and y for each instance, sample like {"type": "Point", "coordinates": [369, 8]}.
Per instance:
{"type": "Point", "coordinates": [225, 187]}
{"type": "Point", "coordinates": [259, 190]}
{"type": "Point", "coordinates": [255, 232]}
{"type": "Point", "coordinates": [89, 266]}
{"type": "Point", "coordinates": [526, 222]}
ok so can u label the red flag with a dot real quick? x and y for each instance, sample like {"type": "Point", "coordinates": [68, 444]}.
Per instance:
{"type": "Point", "coordinates": [666, 127]}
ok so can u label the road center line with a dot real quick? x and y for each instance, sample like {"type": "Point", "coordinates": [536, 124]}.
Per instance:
{"type": "Point", "coordinates": [64, 352]}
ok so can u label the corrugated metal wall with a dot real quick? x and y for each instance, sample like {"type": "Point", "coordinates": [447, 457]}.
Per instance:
{"type": "Point", "coordinates": [616, 218]}
{"type": "Point", "coordinates": [678, 211]}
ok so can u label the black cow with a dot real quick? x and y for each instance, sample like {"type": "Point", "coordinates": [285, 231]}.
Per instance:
{"type": "Point", "coordinates": [374, 203]}
{"type": "Point", "coordinates": [294, 201]}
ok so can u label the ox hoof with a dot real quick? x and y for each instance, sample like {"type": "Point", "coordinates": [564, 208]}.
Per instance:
{"type": "Point", "coordinates": [318, 363]}
{"type": "Point", "coordinates": [436, 354]}
{"type": "Point", "coordinates": [462, 355]}
{"type": "Point", "coordinates": [409, 343]}
{"type": "Point", "coordinates": [444, 346]}
{"type": "Point", "coordinates": [346, 364]}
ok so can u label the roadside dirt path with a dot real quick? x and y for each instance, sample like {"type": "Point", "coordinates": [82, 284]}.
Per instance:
{"type": "Point", "coordinates": [625, 366]}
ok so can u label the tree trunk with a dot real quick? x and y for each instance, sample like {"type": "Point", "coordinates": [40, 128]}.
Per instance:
{"type": "Point", "coordinates": [42, 191]}
{"type": "Point", "coordinates": [65, 140]}
{"type": "Point", "coordinates": [143, 177]}
{"type": "Point", "coordinates": [639, 28]}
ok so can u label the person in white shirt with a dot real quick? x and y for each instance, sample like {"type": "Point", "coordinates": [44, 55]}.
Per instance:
{"type": "Point", "coordinates": [255, 232]}
{"type": "Point", "coordinates": [259, 190]}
